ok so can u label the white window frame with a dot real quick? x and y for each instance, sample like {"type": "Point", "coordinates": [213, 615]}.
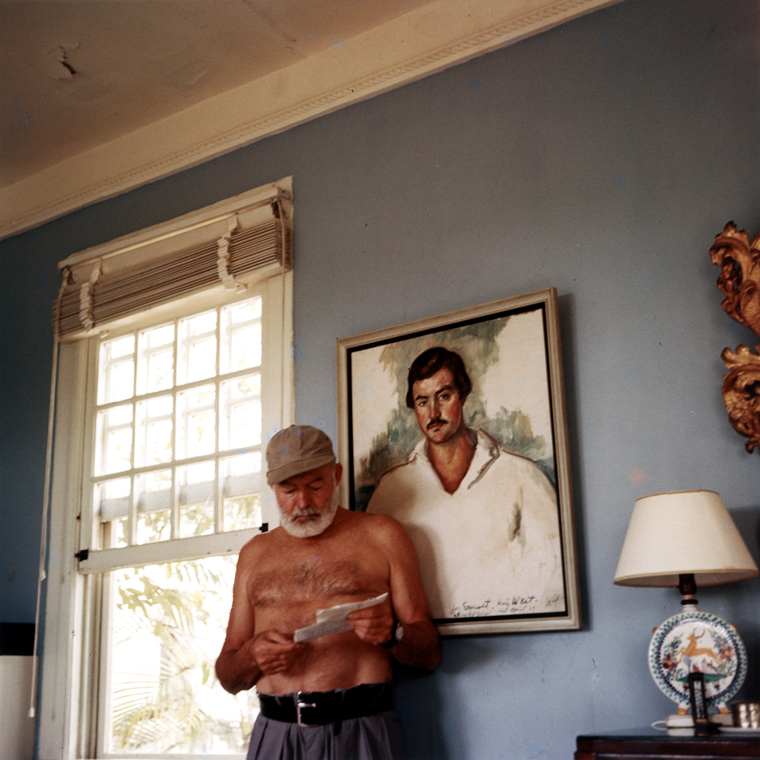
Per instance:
{"type": "Point", "coordinates": [68, 704]}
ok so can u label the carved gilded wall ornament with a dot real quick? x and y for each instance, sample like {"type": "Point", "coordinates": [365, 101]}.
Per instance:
{"type": "Point", "coordinates": [739, 281]}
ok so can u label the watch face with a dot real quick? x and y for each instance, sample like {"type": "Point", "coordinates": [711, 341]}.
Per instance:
{"type": "Point", "coordinates": [697, 642]}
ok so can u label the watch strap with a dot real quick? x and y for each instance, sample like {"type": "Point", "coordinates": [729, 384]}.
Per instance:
{"type": "Point", "coordinates": [398, 632]}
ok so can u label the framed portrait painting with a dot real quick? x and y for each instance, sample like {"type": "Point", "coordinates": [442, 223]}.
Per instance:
{"type": "Point", "coordinates": [455, 425]}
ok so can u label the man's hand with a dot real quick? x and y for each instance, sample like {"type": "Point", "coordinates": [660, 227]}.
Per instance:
{"type": "Point", "coordinates": [375, 624]}
{"type": "Point", "coordinates": [274, 652]}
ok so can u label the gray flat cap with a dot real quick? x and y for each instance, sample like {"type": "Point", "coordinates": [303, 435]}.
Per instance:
{"type": "Point", "coordinates": [295, 450]}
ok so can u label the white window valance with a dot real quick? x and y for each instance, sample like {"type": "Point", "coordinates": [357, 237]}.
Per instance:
{"type": "Point", "coordinates": [223, 246]}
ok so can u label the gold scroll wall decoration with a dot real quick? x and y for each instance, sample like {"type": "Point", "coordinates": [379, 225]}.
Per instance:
{"type": "Point", "coordinates": [739, 281]}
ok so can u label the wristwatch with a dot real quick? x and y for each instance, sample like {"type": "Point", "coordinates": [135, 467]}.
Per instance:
{"type": "Point", "coordinates": [398, 632]}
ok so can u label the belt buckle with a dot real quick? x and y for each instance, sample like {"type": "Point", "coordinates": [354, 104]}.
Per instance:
{"type": "Point", "coordinates": [300, 704]}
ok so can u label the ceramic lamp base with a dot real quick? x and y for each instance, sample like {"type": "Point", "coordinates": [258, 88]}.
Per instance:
{"type": "Point", "coordinates": [697, 642]}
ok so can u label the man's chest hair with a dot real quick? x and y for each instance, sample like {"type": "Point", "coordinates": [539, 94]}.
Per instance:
{"type": "Point", "coordinates": [304, 580]}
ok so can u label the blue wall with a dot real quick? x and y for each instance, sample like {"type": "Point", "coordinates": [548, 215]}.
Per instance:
{"type": "Point", "coordinates": [602, 158]}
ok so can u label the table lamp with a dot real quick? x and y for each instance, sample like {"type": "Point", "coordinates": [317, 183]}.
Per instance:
{"type": "Point", "coordinates": [687, 539]}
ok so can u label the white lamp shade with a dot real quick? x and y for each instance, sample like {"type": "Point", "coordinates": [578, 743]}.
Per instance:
{"type": "Point", "coordinates": [683, 532]}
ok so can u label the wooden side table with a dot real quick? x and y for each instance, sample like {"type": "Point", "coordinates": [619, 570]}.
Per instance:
{"type": "Point", "coordinates": [651, 744]}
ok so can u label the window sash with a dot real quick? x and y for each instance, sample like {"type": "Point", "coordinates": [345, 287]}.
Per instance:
{"type": "Point", "coordinates": [161, 552]}
{"type": "Point", "coordinates": [275, 346]}
{"type": "Point", "coordinates": [107, 695]}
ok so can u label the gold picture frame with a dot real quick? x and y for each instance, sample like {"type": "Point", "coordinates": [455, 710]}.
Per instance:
{"type": "Point", "coordinates": [515, 417]}
{"type": "Point", "coordinates": [739, 282]}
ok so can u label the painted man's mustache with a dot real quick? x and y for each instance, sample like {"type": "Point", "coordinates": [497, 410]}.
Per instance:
{"type": "Point", "coordinates": [436, 421]}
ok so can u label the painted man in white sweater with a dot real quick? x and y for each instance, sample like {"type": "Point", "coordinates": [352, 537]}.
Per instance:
{"type": "Point", "coordinates": [484, 521]}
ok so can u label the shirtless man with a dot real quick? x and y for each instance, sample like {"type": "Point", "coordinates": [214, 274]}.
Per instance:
{"type": "Point", "coordinates": [328, 697]}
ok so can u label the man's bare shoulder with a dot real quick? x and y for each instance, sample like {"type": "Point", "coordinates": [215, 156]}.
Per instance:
{"type": "Point", "coordinates": [258, 545]}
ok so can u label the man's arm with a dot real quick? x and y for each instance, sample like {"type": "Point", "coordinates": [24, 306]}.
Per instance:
{"type": "Point", "coordinates": [420, 645]}
{"type": "Point", "coordinates": [245, 656]}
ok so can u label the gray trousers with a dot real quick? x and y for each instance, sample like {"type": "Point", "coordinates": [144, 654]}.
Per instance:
{"type": "Point", "coordinates": [375, 737]}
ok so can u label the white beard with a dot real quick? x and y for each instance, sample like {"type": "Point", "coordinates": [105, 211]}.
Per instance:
{"type": "Point", "coordinates": [316, 524]}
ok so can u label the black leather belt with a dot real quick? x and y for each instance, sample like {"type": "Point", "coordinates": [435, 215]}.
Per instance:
{"type": "Point", "coordinates": [320, 708]}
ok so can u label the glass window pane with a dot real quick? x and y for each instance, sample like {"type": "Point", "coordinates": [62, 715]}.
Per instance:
{"type": "Point", "coordinates": [241, 335]}
{"type": "Point", "coordinates": [119, 531]}
{"type": "Point", "coordinates": [116, 369]}
{"type": "Point", "coordinates": [197, 348]}
{"type": "Point", "coordinates": [112, 498]}
{"type": "Point", "coordinates": [154, 431]}
{"type": "Point", "coordinates": [168, 628]}
{"type": "Point", "coordinates": [154, 526]}
{"type": "Point", "coordinates": [242, 513]}
{"type": "Point", "coordinates": [241, 483]}
{"type": "Point", "coordinates": [196, 498]}
{"type": "Point", "coordinates": [241, 413]}
{"type": "Point", "coordinates": [155, 365]}
{"type": "Point", "coordinates": [111, 504]}
{"type": "Point", "coordinates": [196, 520]}
{"type": "Point", "coordinates": [114, 450]}
{"type": "Point", "coordinates": [154, 491]}
{"type": "Point", "coordinates": [196, 422]}
{"type": "Point", "coordinates": [154, 501]}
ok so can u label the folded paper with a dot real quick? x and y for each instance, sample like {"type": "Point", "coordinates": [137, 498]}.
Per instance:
{"type": "Point", "coordinates": [334, 619]}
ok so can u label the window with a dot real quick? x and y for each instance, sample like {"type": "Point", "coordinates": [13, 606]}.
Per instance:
{"type": "Point", "coordinates": [173, 370]}
{"type": "Point", "coordinates": [177, 429]}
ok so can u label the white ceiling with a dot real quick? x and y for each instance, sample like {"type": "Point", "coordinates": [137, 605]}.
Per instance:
{"type": "Point", "coordinates": [99, 96]}
{"type": "Point", "coordinates": [78, 73]}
